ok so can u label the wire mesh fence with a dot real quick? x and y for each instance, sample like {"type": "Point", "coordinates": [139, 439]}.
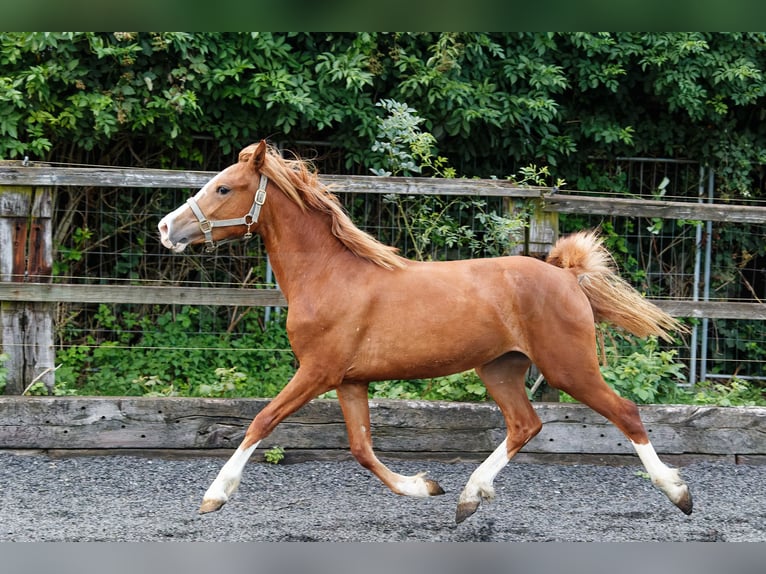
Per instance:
{"type": "Point", "coordinates": [676, 258]}
{"type": "Point", "coordinates": [109, 236]}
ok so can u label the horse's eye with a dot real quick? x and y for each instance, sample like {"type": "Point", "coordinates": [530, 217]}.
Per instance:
{"type": "Point", "coordinates": [223, 190]}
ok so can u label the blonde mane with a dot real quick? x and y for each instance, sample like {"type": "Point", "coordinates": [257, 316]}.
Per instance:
{"type": "Point", "coordinates": [298, 182]}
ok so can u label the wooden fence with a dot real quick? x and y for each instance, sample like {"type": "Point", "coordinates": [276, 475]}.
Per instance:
{"type": "Point", "coordinates": [428, 430]}
{"type": "Point", "coordinates": [400, 428]}
{"type": "Point", "coordinates": [27, 295]}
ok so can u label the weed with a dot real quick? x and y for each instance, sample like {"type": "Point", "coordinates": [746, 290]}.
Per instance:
{"type": "Point", "coordinates": [274, 455]}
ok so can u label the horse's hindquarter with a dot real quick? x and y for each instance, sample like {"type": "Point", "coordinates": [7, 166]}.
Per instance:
{"type": "Point", "coordinates": [434, 319]}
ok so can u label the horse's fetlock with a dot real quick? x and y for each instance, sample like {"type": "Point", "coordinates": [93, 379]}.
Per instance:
{"type": "Point", "coordinates": [487, 492]}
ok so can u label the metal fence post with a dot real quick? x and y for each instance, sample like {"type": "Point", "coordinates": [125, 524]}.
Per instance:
{"type": "Point", "coordinates": [696, 286]}
{"type": "Point", "coordinates": [706, 280]}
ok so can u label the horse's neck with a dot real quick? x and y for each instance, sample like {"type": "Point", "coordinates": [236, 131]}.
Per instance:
{"type": "Point", "coordinates": [300, 244]}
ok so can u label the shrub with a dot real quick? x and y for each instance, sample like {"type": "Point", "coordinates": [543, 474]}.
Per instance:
{"type": "Point", "coordinates": [733, 393]}
{"type": "Point", "coordinates": [642, 372]}
{"type": "Point", "coordinates": [177, 354]}
{"type": "Point", "coordinates": [3, 371]}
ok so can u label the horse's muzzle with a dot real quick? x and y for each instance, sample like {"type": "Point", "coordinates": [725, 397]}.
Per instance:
{"type": "Point", "coordinates": [176, 245]}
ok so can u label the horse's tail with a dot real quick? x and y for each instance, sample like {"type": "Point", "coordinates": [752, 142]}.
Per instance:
{"type": "Point", "coordinates": [613, 300]}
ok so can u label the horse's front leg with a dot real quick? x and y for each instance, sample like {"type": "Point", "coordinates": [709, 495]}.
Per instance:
{"type": "Point", "coordinates": [303, 387]}
{"type": "Point", "coordinates": [356, 412]}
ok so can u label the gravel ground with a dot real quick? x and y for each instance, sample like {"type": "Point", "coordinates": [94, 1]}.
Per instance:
{"type": "Point", "coordinates": [126, 498]}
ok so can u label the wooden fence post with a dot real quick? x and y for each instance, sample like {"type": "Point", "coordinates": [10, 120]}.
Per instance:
{"type": "Point", "coordinates": [539, 237]}
{"type": "Point", "coordinates": [542, 229]}
{"type": "Point", "coordinates": [26, 255]}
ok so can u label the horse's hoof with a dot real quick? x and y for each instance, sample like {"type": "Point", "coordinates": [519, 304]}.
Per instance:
{"type": "Point", "coordinates": [685, 502]}
{"type": "Point", "coordinates": [464, 510]}
{"type": "Point", "coordinates": [433, 487]}
{"type": "Point", "coordinates": [211, 505]}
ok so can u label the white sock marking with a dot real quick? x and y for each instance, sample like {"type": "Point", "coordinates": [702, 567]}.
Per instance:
{"type": "Point", "coordinates": [229, 476]}
{"type": "Point", "coordinates": [413, 485]}
{"type": "Point", "coordinates": [480, 485]}
{"type": "Point", "coordinates": [667, 479]}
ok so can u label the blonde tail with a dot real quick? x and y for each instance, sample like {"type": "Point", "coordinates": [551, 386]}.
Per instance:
{"type": "Point", "coordinates": [613, 300]}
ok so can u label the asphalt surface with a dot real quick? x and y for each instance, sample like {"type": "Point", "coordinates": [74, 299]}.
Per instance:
{"type": "Point", "coordinates": [121, 498]}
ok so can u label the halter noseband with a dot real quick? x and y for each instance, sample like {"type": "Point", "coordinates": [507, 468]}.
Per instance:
{"type": "Point", "coordinates": [249, 219]}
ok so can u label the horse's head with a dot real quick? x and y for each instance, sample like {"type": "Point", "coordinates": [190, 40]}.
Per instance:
{"type": "Point", "coordinates": [227, 207]}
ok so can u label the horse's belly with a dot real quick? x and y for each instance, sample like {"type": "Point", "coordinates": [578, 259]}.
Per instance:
{"type": "Point", "coordinates": [423, 354]}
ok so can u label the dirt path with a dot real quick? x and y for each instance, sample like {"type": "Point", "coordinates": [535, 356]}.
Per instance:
{"type": "Point", "coordinates": [123, 498]}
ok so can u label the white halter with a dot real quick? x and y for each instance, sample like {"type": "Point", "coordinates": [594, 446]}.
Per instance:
{"type": "Point", "coordinates": [249, 219]}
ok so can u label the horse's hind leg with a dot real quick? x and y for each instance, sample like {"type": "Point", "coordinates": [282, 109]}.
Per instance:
{"type": "Point", "coordinates": [574, 369]}
{"type": "Point", "coordinates": [356, 412]}
{"type": "Point", "coordinates": [504, 379]}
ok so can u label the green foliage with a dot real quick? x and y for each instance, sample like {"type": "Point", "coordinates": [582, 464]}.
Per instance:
{"type": "Point", "coordinates": [404, 148]}
{"type": "Point", "coordinates": [60, 390]}
{"type": "Point", "coordinates": [71, 254]}
{"type": "Point", "coordinates": [434, 224]}
{"type": "Point", "coordinates": [274, 455]}
{"type": "Point", "coordinates": [3, 372]}
{"type": "Point", "coordinates": [645, 376]}
{"type": "Point", "coordinates": [531, 175]}
{"type": "Point", "coordinates": [228, 384]}
{"type": "Point", "coordinates": [210, 366]}
{"type": "Point", "coordinates": [465, 386]}
{"type": "Point", "coordinates": [490, 100]}
{"type": "Point", "coordinates": [739, 257]}
{"type": "Point", "coordinates": [739, 344]}
{"type": "Point", "coordinates": [170, 355]}
{"type": "Point", "coordinates": [733, 393]}
{"type": "Point", "coordinates": [640, 370]}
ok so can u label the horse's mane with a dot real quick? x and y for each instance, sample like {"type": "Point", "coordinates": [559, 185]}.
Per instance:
{"type": "Point", "coordinates": [301, 184]}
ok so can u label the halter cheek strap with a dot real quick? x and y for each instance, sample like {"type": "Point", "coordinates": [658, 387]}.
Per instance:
{"type": "Point", "coordinates": [249, 219]}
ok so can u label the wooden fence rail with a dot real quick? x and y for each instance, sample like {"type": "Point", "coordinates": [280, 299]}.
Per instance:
{"type": "Point", "coordinates": [401, 428]}
{"type": "Point", "coordinates": [239, 297]}
{"type": "Point", "coordinates": [554, 200]}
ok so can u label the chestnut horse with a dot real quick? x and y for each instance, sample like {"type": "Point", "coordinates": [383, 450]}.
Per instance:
{"type": "Point", "coordinates": [358, 312]}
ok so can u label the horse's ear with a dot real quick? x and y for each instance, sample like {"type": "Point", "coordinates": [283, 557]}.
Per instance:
{"type": "Point", "coordinates": [256, 160]}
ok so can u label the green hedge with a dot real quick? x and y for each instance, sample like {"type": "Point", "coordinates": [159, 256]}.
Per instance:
{"type": "Point", "coordinates": [490, 99]}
